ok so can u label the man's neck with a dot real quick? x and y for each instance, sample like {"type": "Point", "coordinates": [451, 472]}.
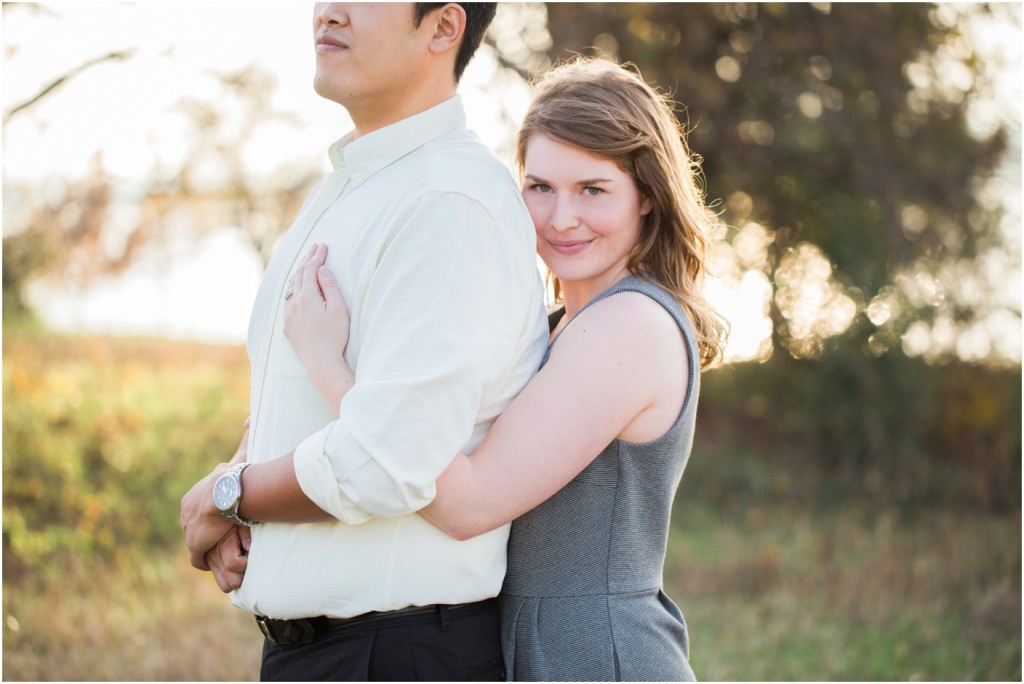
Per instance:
{"type": "Point", "coordinates": [378, 113]}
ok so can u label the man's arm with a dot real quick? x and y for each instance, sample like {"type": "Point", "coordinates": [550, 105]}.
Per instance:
{"type": "Point", "coordinates": [270, 493]}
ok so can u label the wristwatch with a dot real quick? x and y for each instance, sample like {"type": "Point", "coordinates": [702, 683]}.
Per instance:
{"type": "Point", "coordinates": [227, 494]}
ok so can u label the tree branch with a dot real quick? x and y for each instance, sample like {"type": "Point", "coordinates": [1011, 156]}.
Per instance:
{"type": "Point", "coordinates": [123, 54]}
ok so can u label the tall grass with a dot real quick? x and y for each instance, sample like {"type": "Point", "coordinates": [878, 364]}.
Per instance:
{"type": "Point", "coordinates": [851, 594]}
{"type": "Point", "coordinates": [777, 576]}
{"type": "Point", "coordinates": [103, 436]}
{"type": "Point", "coordinates": [156, 619]}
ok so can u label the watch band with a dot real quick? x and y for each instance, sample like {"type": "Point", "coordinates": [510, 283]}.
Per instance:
{"type": "Point", "coordinates": [232, 514]}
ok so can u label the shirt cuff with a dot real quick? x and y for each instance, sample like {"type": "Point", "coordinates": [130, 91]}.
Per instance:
{"type": "Point", "coordinates": [318, 481]}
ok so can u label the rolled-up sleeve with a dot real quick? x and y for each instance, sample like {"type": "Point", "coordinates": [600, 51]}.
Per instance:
{"type": "Point", "coordinates": [435, 331]}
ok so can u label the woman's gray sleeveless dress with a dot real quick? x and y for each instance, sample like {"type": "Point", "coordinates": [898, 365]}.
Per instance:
{"type": "Point", "coordinates": [582, 599]}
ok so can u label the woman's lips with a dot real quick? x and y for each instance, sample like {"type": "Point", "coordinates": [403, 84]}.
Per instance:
{"type": "Point", "coordinates": [569, 247]}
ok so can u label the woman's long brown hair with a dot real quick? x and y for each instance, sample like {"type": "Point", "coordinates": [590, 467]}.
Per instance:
{"type": "Point", "coordinates": [610, 112]}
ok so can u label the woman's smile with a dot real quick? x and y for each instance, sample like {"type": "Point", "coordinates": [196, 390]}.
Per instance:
{"type": "Point", "coordinates": [587, 212]}
{"type": "Point", "coordinates": [569, 247]}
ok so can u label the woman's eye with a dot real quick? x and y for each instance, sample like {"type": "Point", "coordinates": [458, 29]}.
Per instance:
{"type": "Point", "coordinates": [541, 187]}
{"type": "Point", "coordinates": [591, 191]}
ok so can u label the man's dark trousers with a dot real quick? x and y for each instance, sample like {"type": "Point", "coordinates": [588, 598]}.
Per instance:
{"type": "Point", "coordinates": [440, 644]}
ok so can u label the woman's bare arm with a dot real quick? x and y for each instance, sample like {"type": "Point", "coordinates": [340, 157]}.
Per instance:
{"type": "Point", "coordinates": [618, 360]}
{"type": "Point", "coordinates": [608, 368]}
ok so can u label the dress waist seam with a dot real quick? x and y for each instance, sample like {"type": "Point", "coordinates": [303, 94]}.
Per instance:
{"type": "Point", "coordinates": [635, 592]}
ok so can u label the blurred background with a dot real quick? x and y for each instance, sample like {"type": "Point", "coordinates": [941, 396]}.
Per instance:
{"type": "Point", "coordinates": [851, 510]}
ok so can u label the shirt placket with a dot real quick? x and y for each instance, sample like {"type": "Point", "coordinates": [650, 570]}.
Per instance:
{"type": "Point", "coordinates": [330, 193]}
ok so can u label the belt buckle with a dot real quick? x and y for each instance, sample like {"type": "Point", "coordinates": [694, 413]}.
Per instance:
{"type": "Point", "coordinates": [261, 620]}
{"type": "Point", "coordinates": [286, 632]}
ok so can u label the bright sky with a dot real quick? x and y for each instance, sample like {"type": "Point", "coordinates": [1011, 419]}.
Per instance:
{"type": "Point", "coordinates": [126, 110]}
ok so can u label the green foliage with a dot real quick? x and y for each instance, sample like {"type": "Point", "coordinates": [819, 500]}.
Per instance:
{"type": "Point", "coordinates": [836, 124]}
{"type": "Point", "coordinates": [22, 257]}
{"type": "Point", "coordinates": [895, 428]}
{"type": "Point", "coordinates": [102, 438]}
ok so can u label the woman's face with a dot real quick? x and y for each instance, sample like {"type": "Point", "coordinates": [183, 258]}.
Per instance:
{"type": "Point", "coordinates": [586, 210]}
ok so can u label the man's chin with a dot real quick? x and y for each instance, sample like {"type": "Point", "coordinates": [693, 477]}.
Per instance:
{"type": "Point", "coordinates": [325, 89]}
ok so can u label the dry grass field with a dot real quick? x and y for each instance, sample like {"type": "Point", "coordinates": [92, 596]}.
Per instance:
{"type": "Point", "coordinates": [101, 438]}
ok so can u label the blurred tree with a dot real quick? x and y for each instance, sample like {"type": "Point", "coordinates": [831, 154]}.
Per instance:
{"type": "Point", "coordinates": [216, 185]}
{"type": "Point", "coordinates": [74, 234]}
{"type": "Point", "coordinates": [837, 140]}
{"type": "Point", "coordinates": [845, 150]}
{"type": "Point", "coordinates": [53, 228]}
{"type": "Point", "coordinates": [70, 238]}
{"type": "Point", "coordinates": [64, 78]}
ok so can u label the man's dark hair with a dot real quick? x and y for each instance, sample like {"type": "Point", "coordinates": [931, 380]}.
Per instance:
{"type": "Point", "coordinates": [479, 16]}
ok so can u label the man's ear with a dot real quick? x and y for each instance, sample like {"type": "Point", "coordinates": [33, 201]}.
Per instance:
{"type": "Point", "coordinates": [449, 25]}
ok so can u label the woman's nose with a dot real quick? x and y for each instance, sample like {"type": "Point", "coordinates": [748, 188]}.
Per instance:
{"type": "Point", "coordinates": [564, 216]}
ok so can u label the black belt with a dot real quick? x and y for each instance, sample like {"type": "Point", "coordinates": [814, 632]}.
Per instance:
{"type": "Point", "coordinates": [304, 630]}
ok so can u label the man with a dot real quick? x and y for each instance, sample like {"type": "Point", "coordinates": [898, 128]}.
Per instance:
{"type": "Point", "coordinates": [434, 253]}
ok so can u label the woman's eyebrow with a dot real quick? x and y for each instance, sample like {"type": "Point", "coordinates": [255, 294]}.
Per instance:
{"type": "Point", "coordinates": [585, 181]}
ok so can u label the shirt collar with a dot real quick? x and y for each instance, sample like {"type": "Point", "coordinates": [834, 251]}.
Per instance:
{"type": "Point", "coordinates": [368, 154]}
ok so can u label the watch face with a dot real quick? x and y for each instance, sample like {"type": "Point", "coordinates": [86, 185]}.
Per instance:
{"type": "Point", "coordinates": [225, 492]}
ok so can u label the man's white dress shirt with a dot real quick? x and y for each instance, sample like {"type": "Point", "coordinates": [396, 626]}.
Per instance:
{"type": "Point", "coordinates": [434, 252]}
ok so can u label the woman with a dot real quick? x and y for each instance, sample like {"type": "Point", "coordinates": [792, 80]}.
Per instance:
{"type": "Point", "coordinates": [587, 459]}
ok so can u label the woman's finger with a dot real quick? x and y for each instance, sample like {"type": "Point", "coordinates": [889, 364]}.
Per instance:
{"type": "Point", "coordinates": [296, 282]}
{"type": "Point", "coordinates": [309, 255]}
{"type": "Point", "coordinates": [305, 272]}
{"type": "Point", "coordinates": [310, 268]}
{"type": "Point", "coordinates": [329, 287]}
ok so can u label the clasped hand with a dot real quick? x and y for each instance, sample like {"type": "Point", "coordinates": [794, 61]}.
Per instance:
{"type": "Point", "coordinates": [215, 543]}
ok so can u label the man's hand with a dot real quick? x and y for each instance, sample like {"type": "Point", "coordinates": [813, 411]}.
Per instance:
{"type": "Point", "coordinates": [202, 523]}
{"type": "Point", "coordinates": [199, 519]}
{"type": "Point", "coordinates": [230, 557]}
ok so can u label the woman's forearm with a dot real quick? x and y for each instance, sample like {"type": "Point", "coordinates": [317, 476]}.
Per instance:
{"type": "Point", "coordinates": [593, 385]}
{"type": "Point", "coordinates": [457, 509]}
{"type": "Point", "coordinates": [332, 380]}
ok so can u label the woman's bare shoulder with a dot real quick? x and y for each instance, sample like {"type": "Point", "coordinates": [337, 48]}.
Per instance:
{"type": "Point", "coordinates": [628, 317]}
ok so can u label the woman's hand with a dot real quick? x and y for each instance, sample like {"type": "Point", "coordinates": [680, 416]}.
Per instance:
{"type": "Point", "coordinates": [315, 316]}
{"type": "Point", "coordinates": [316, 323]}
